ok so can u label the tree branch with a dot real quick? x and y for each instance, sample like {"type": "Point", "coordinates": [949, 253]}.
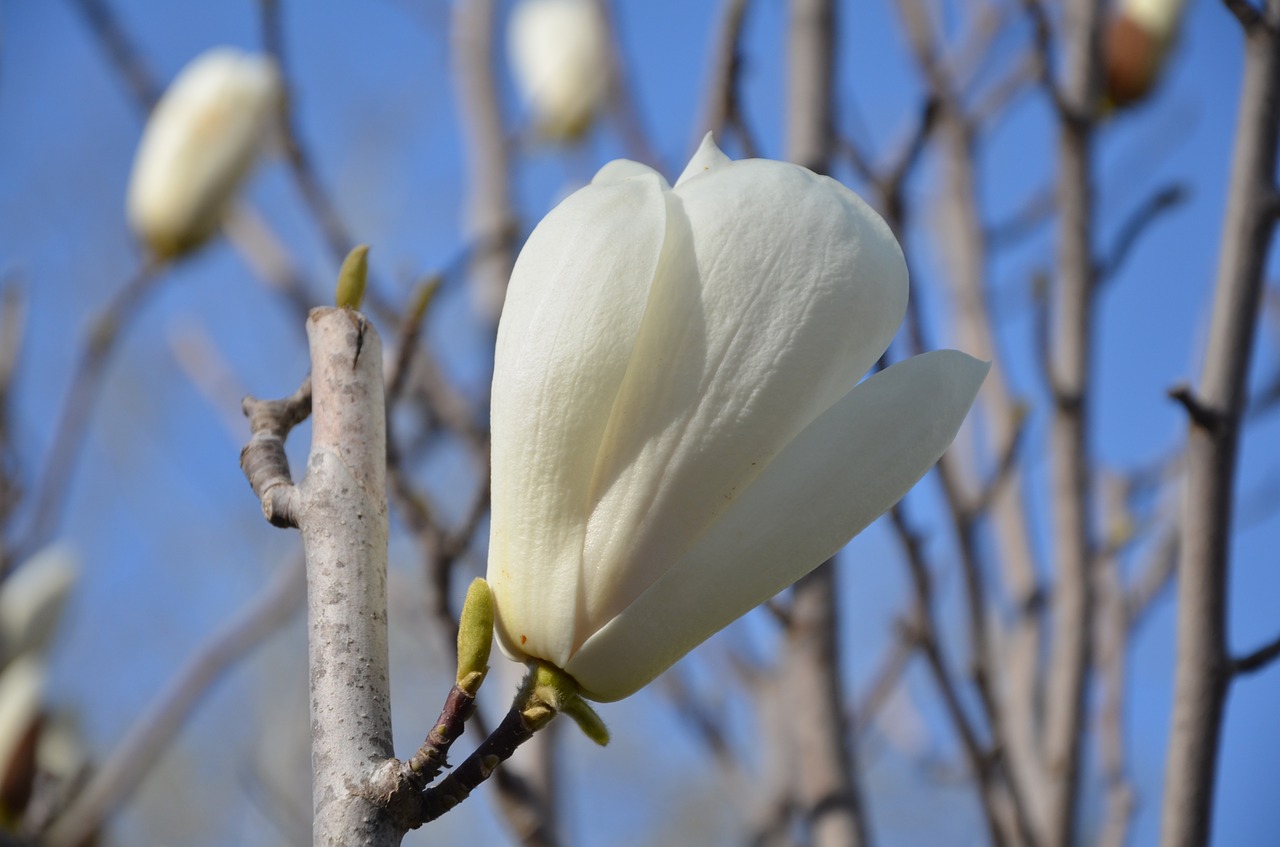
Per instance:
{"type": "Point", "coordinates": [104, 332]}
{"type": "Point", "coordinates": [1073, 594]}
{"type": "Point", "coordinates": [340, 507]}
{"type": "Point", "coordinates": [111, 786]}
{"type": "Point", "coordinates": [1203, 670]}
{"type": "Point", "coordinates": [827, 789]}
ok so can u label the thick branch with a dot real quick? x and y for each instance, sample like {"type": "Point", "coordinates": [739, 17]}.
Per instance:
{"type": "Point", "coordinates": [1203, 668]}
{"type": "Point", "coordinates": [340, 506]}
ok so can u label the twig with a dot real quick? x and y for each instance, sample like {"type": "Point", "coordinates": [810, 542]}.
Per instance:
{"type": "Point", "coordinates": [1113, 640]}
{"type": "Point", "coordinates": [433, 755]}
{"type": "Point", "coordinates": [104, 331]}
{"type": "Point", "coordinates": [1138, 222]}
{"type": "Point", "coordinates": [489, 213]}
{"type": "Point", "coordinates": [1073, 595]}
{"type": "Point", "coordinates": [263, 459]}
{"type": "Point", "coordinates": [121, 50]}
{"type": "Point", "coordinates": [125, 767]}
{"type": "Point", "coordinates": [1258, 659]}
{"type": "Point", "coordinates": [921, 631]}
{"type": "Point", "coordinates": [493, 751]}
{"type": "Point", "coordinates": [13, 321]}
{"type": "Point", "coordinates": [1246, 13]}
{"type": "Point", "coordinates": [884, 682]}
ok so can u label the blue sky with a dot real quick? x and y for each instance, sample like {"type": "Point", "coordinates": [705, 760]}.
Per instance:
{"type": "Point", "coordinates": [172, 541]}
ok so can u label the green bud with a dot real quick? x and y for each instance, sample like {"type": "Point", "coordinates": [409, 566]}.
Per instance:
{"type": "Point", "coordinates": [586, 719]}
{"type": "Point", "coordinates": [475, 637]}
{"type": "Point", "coordinates": [548, 691]}
{"type": "Point", "coordinates": [352, 278]}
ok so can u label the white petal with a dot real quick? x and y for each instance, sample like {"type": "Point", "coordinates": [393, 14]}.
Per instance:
{"type": "Point", "coordinates": [573, 309]}
{"type": "Point", "coordinates": [790, 291]}
{"type": "Point", "coordinates": [844, 470]}
{"type": "Point", "coordinates": [620, 169]}
{"type": "Point", "coordinates": [708, 157]}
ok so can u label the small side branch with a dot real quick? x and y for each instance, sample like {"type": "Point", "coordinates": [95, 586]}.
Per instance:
{"type": "Point", "coordinates": [1258, 659]}
{"type": "Point", "coordinates": [1139, 222]}
{"type": "Point", "coordinates": [132, 760]}
{"type": "Point", "coordinates": [433, 755]}
{"type": "Point", "coordinates": [263, 459]}
{"type": "Point", "coordinates": [478, 767]}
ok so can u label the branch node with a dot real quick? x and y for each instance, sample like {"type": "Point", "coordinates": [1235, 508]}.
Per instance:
{"type": "Point", "coordinates": [1210, 420]}
{"type": "Point", "coordinates": [263, 459]}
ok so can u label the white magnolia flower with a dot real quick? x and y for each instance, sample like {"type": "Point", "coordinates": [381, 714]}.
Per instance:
{"type": "Point", "coordinates": [676, 431]}
{"type": "Point", "coordinates": [1138, 41]}
{"type": "Point", "coordinates": [559, 55]}
{"type": "Point", "coordinates": [198, 146]}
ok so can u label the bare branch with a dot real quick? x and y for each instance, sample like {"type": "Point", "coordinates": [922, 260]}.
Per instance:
{"type": "Point", "coordinates": [104, 332]}
{"type": "Point", "coordinates": [1203, 670]}
{"type": "Point", "coordinates": [1139, 222]}
{"type": "Point", "coordinates": [132, 759]}
{"type": "Point", "coordinates": [489, 214]}
{"type": "Point", "coordinates": [827, 789]}
{"type": "Point", "coordinates": [1258, 659]}
{"type": "Point", "coordinates": [263, 459]}
{"type": "Point", "coordinates": [1073, 594]}
{"type": "Point", "coordinates": [921, 631]}
{"type": "Point", "coordinates": [1246, 13]}
{"type": "Point", "coordinates": [721, 107]}
{"type": "Point", "coordinates": [122, 52]}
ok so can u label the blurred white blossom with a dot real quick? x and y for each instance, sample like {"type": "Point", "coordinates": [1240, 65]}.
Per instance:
{"type": "Point", "coordinates": [198, 146]}
{"type": "Point", "coordinates": [1139, 38]}
{"type": "Point", "coordinates": [559, 55]}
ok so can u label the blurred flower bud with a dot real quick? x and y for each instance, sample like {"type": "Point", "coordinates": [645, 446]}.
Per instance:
{"type": "Point", "coordinates": [559, 54]}
{"type": "Point", "coordinates": [31, 600]}
{"type": "Point", "coordinates": [21, 688]}
{"type": "Point", "coordinates": [1138, 41]}
{"type": "Point", "coordinates": [198, 146]}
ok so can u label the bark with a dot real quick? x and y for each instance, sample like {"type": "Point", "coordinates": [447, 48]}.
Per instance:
{"type": "Point", "coordinates": [1073, 611]}
{"type": "Point", "coordinates": [341, 509]}
{"type": "Point", "coordinates": [1202, 673]}
{"type": "Point", "coordinates": [827, 789]}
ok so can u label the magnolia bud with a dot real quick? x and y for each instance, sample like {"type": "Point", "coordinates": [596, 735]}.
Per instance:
{"type": "Point", "coordinates": [559, 55]}
{"type": "Point", "coordinates": [1138, 40]}
{"type": "Point", "coordinates": [198, 146]}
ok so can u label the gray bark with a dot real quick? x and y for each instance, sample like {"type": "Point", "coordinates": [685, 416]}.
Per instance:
{"type": "Point", "coordinates": [1202, 674]}
{"type": "Point", "coordinates": [342, 513]}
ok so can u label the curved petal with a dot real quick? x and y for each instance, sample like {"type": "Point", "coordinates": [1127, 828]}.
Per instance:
{"type": "Point", "coordinates": [573, 310]}
{"type": "Point", "coordinates": [708, 157]}
{"type": "Point", "coordinates": [620, 169]}
{"type": "Point", "coordinates": [794, 289]}
{"type": "Point", "coordinates": [843, 471]}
